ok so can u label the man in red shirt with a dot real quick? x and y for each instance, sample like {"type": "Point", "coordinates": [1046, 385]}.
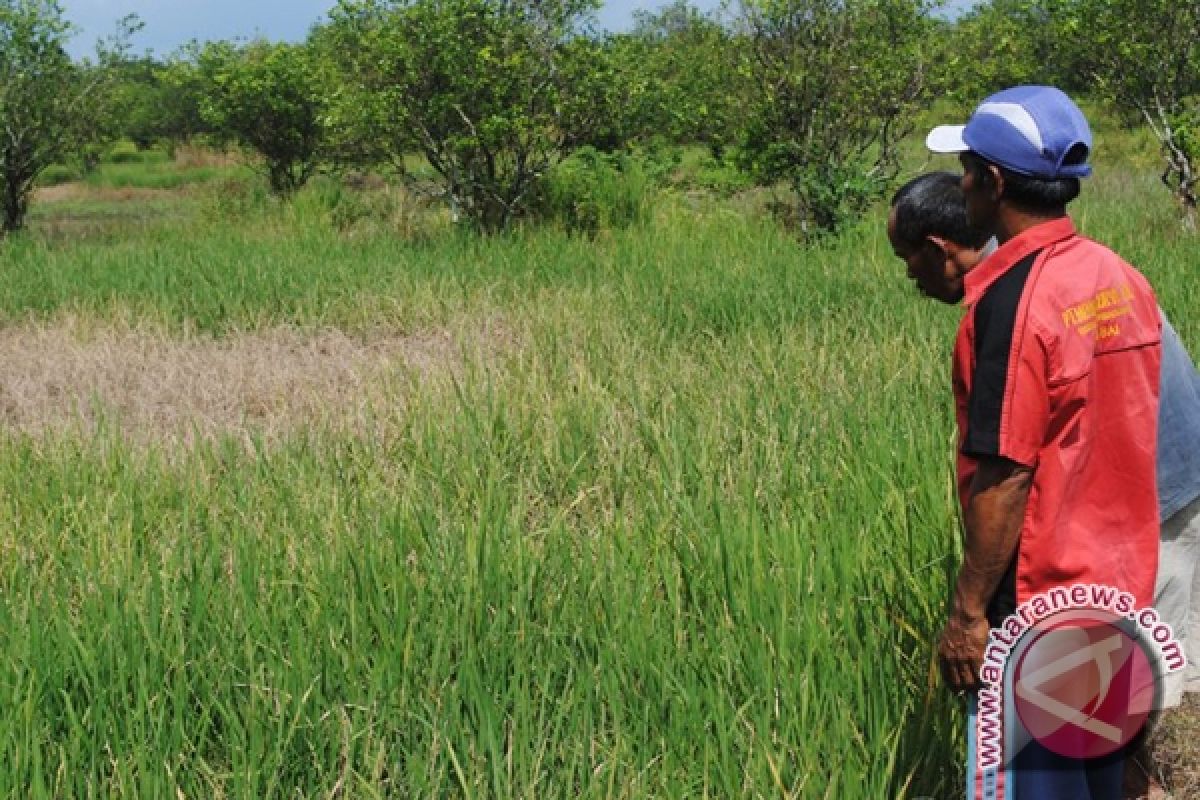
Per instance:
{"type": "Point", "coordinates": [1056, 375]}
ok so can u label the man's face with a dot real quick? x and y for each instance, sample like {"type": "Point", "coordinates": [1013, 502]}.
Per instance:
{"type": "Point", "coordinates": [930, 267]}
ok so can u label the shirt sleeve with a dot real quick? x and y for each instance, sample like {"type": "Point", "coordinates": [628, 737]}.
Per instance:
{"type": "Point", "coordinates": [1008, 410]}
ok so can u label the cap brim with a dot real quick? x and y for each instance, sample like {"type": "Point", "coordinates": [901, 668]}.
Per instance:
{"type": "Point", "coordinates": [947, 139]}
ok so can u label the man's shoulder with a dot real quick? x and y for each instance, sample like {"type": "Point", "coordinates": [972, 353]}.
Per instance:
{"type": "Point", "coordinates": [1083, 272]}
{"type": "Point", "coordinates": [1083, 252]}
{"type": "Point", "coordinates": [1090, 301]}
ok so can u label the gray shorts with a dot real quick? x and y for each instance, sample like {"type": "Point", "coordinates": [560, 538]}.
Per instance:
{"type": "Point", "coordinates": [1177, 595]}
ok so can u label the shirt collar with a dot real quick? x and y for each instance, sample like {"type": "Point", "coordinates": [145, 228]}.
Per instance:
{"type": "Point", "coordinates": [978, 280]}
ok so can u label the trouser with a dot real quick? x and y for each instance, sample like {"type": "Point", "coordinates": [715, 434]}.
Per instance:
{"type": "Point", "coordinates": [1177, 595]}
{"type": "Point", "coordinates": [1036, 773]}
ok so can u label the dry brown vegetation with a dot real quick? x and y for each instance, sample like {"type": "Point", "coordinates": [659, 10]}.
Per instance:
{"type": "Point", "coordinates": [76, 190]}
{"type": "Point", "coordinates": [77, 374]}
{"type": "Point", "coordinates": [1176, 749]}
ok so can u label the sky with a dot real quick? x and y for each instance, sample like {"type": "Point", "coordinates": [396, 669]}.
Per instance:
{"type": "Point", "coordinates": [170, 23]}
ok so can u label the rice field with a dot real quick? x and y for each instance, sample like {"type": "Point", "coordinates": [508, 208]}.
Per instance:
{"type": "Point", "coordinates": [297, 508]}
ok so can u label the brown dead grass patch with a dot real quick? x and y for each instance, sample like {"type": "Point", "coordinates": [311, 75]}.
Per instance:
{"type": "Point", "coordinates": [74, 375]}
{"type": "Point", "coordinates": [78, 190]}
{"type": "Point", "coordinates": [1176, 749]}
{"type": "Point", "coordinates": [190, 156]}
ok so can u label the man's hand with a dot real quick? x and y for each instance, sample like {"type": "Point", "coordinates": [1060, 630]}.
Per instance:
{"type": "Point", "coordinates": [960, 651]}
{"type": "Point", "coordinates": [999, 492]}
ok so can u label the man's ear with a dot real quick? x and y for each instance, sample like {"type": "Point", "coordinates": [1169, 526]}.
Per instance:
{"type": "Point", "coordinates": [941, 243]}
{"type": "Point", "coordinates": [996, 179]}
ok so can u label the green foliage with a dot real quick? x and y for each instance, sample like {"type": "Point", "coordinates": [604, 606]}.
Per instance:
{"type": "Point", "coordinates": [673, 78]}
{"type": "Point", "coordinates": [476, 86]}
{"type": "Point", "coordinates": [57, 174]}
{"type": "Point", "coordinates": [591, 191]}
{"type": "Point", "coordinates": [137, 99]}
{"type": "Point", "coordinates": [126, 152]}
{"type": "Point", "coordinates": [692, 84]}
{"type": "Point", "coordinates": [179, 99]}
{"type": "Point", "coordinates": [234, 199]}
{"type": "Point", "coordinates": [157, 102]}
{"type": "Point", "coordinates": [599, 107]}
{"type": "Point", "coordinates": [51, 109]}
{"type": "Point", "coordinates": [39, 92]}
{"type": "Point", "coordinates": [1005, 43]}
{"type": "Point", "coordinates": [1144, 58]}
{"type": "Point", "coordinates": [835, 88]}
{"type": "Point", "coordinates": [262, 96]}
{"type": "Point", "coordinates": [149, 173]}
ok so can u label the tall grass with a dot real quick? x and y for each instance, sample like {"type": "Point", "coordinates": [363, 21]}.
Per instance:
{"type": "Point", "coordinates": [692, 536]}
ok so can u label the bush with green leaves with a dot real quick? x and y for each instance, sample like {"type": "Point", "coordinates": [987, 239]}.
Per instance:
{"type": "Point", "coordinates": [1144, 59]}
{"type": "Point", "coordinates": [263, 97]}
{"type": "Point", "coordinates": [835, 87]}
{"type": "Point", "coordinates": [40, 94]}
{"type": "Point", "coordinates": [1005, 43]}
{"type": "Point", "coordinates": [591, 191]}
{"type": "Point", "coordinates": [475, 86]}
{"type": "Point", "coordinates": [157, 102]}
{"type": "Point", "coordinates": [693, 84]}
{"type": "Point", "coordinates": [672, 78]}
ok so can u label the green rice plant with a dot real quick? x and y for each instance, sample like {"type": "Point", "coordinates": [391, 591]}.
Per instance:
{"type": "Point", "coordinates": [684, 527]}
{"type": "Point", "coordinates": [149, 175]}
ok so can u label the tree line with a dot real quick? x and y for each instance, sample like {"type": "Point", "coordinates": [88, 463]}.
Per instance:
{"type": "Point", "coordinates": [814, 95]}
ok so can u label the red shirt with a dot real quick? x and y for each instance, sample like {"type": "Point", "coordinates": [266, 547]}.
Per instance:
{"type": "Point", "coordinates": [1056, 367]}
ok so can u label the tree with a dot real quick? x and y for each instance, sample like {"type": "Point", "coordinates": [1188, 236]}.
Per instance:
{"type": "Point", "coordinates": [40, 94]}
{"type": "Point", "coordinates": [136, 99]}
{"type": "Point", "coordinates": [835, 86]}
{"type": "Point", "coordinates": [50, 107]}
{"type": "Point", "coordinates": [476, 86]}
{"type": "Point", "coordinates": [605, 93]}
{"type": "Point", "coordinates": [1004, 43]}
{"type": "Point", "coordinates": [180, 95]}
{"type": "Point", "coordinates": [263, 97]}
{"type": "Point", "coordinates": [1144, 56]}
{"type": "Point", "coordinates": [102, 114]}
{"type": "Point", "coordinates": [689, 61]}
{"type": "Point", "coordinates": [158, 102]}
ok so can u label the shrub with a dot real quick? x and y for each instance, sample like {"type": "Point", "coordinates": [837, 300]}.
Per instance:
{"type": "Point", "coordinates": [234, 198]}
{"type": "Point", "coordinates": [591, 191]}
{"type": "Point", "coordinates": [122, 153]}
{"type": "Point", "coordinates": [263, 97]}
{"type": "Point", "coordinates": [58, 174]}
{"type": "Point", "coordinates": [837, 86]}
{"type": "Point", "coordinates": [478, 87]}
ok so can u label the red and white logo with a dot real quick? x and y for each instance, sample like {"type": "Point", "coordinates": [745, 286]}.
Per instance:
{"type": "Point", "coordinates": [1083, 687]}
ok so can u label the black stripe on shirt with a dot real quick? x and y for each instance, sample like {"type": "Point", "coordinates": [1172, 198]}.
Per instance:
{"type": "Point", "coordinates": [995, 319]}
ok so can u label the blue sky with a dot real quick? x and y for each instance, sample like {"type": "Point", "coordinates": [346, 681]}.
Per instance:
{"type": "Point", "coordinates": [170, 23]}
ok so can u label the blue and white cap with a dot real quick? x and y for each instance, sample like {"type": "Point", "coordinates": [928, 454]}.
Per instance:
{"type": "Point", "coordinates": [1028, 129]}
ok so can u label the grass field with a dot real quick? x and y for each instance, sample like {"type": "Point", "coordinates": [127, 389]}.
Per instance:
{"type": "Point", "coordinates": [294, 508]}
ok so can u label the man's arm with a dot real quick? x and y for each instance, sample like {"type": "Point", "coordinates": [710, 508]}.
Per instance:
{"type": "Point", "coordinates": [999, 492]}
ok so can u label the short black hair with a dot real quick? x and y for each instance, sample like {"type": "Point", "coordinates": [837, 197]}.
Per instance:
{"type": "Point", "coordinates": [933, 204]}
{"type": "Point", "coordinates": [1027, 192]}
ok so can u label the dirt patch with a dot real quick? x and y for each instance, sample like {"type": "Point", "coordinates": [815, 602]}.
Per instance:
{"type": "Point", "coordinates": [1176, 749]}
{"type": "Point", "coordinates": [190, 156]}
{"type": "Point", "coordinates": [72, 375]}
{"type": "Point", "coordinates": [81, 191]}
